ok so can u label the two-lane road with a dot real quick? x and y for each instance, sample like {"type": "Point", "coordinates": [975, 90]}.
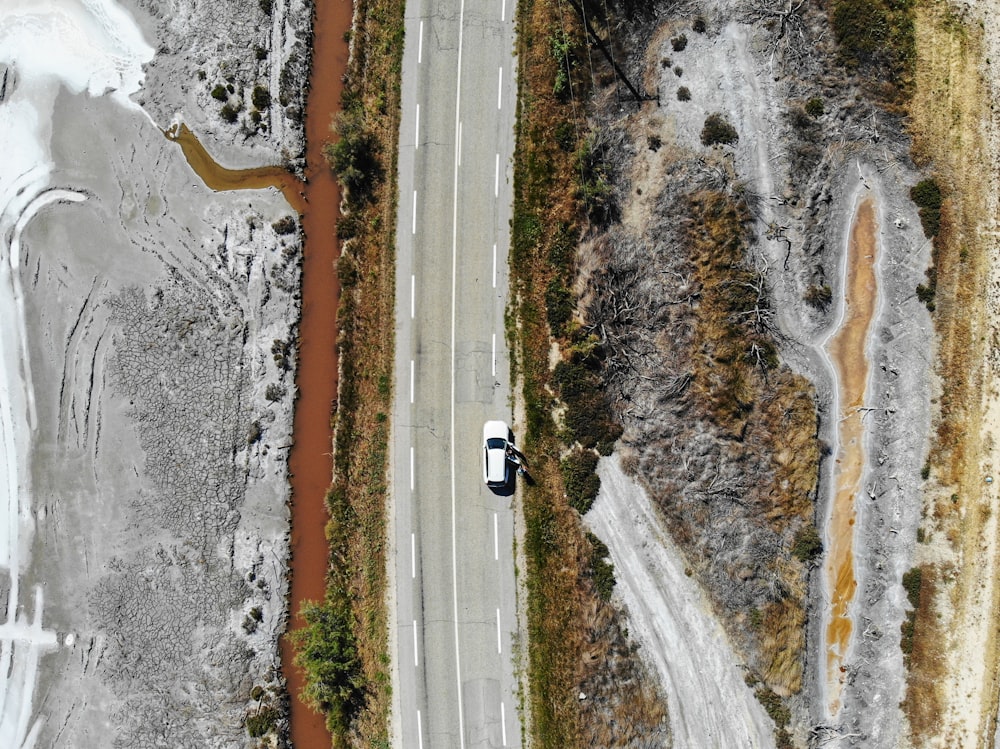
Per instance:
{"type": "Point", "coordinates": [454, 569]}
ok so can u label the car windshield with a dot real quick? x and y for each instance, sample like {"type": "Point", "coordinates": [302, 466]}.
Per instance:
{"type": "Point", "coordinates": [495, 443]}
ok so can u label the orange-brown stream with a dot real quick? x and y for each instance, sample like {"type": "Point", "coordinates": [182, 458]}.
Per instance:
{"type": "Point", "coordinates": [310, 463]}
{"type": "Point", "coordinates": [847, 351]}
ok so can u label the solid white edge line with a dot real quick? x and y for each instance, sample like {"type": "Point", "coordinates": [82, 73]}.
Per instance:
{"type": "Point", "coordinates": [494, 265]}
{"type": "Point", "coordinates": [499, 639]}
{"type": "Point", "coordinates": [413, 296]}
{"type": "Point", "coordinates": [460, 144]}
{"type": "Point", "coordinates": [416, 131]}
{"type": "Point", "coordinates": [496, 182]}
{"type": "Point", "coordinates": [494, 361]}
{"type": "Point", "coordinates": [414, 227]}
{"type": "Point", "coordinates": [420, 43]}
{"type": "Point", "coordinates": [503, 725]}
{"type": "Point", "coordinates": [413, 555]}
{"type": "Point", "coordinates": [416, 656]}
{"type": "Point", "coordinates": [412, 469]}
{"type": "Point", "coordinates": [412, 380]}
{"type": "Point", "coordinates": [420, 732]}
{"type": "Point", "coordinates": [500, 90]}
{"type": "Point", "coordinates": [503, 10]}
{"type": "Point", "coordinates": [496, 538]}
{"type": "Point", "coordinates": [454, 290]}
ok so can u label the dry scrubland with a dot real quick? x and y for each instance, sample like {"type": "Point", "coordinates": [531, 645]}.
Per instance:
{"type": "Point", "coordinates": [688, 280]}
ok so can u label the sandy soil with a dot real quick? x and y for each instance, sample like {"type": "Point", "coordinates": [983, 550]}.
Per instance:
{"type": "Point", "coordinates": [155, 479]}
{"type": "Point", "coordinates": [670, 618]}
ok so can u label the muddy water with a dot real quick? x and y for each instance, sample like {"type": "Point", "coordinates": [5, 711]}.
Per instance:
{"type": "Point", "coordinates": [218, 177]}
{"type": "Point", "coordinates": [847, 351]}
{"type": "Point", "coordinates": [310, 462]}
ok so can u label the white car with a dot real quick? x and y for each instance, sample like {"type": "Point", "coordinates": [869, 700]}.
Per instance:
{"type": "Point", "coordinates": [496, 468]}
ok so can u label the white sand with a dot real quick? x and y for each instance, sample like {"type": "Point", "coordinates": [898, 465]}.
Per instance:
{"type": "Point", "coordinates": [88, 46]}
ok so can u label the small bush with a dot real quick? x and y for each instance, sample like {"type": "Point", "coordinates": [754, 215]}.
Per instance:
{"type": "Point", "coordinates": [927, 195]}
{"type": "Point", "coordinates": [260, 53]}
{"type": "Point", "coordinates": [814, 107]}
{"type": "Point", "coordinates": [774, 706]}
{"type": "Point", "coordinates": [807, 545]}
{"type": "Point", "coordinates": [559, 305]}
{"type": "Point", "coordinates": [274, 392]}
{"type": "Point", "coordinates": [679, 43]}
{"type": "Point", "coordinates": [579, 478]}
{"type": "Point", "coordinates": [284, 225]}
{"type": "Point", "coordinates": [819, 296]}
{"type": "Point", "coordinates": [683, 94]}
{"type": "Point", "coordinates": [220, 93]}
{"type": "Point", "coordinates": [678, 71]}
{"type": "Point", "coordinates": [603, 570]}
{"type": "Point", "coordinates": [261, 97]}
{"type": "Point", "coordinates": [229, 113]}
{"type": "Point", "coordinates": [262, 722]}
{"type": "Point", "coordinates": [912, 581]}
{"type": "Point", "coordinates": [266, 6]}
{"type": "Point", "coordinates": [925, 471]}
{"type": "Point", "coordinates": [718, 130]}
{"type": "Point", "coordinates": [699, 25]}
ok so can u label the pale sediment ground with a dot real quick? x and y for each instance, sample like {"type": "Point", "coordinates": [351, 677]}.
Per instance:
{"type": "Point", "coordinates": [151, 487]}
{"type": "Point", "coordinates": [708, 701]}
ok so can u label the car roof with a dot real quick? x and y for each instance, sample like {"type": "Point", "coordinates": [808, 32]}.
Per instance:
{"type": "Point", "coordinates": [495, 429]}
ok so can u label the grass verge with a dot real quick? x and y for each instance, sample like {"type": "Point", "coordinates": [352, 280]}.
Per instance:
{"type": "Point", "coordinates": [343, 650]}
{"type": "Point", "coordinates": [575, 641]}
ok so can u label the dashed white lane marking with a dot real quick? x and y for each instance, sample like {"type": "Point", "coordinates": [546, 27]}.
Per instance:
{"type": "Point", "coordinates": [414, 227]}
{"type": "Point", "coordinates": [494, 354]}
{"type": "Point", "coordinates": [503, 10]}
{"type": "Point", "coordinates": [416, 656]}
{"type": "Point", "coordinates": [500, 90]}
{"type": "Point", "coordinates": [413, 555]}
{"type": "Point", "coordinates": [413, 296]}
{"type": "Point", "coordinates": [416, 131]}
{"type": "Point", "coordinates": [420, 43]}
{"type": "Point", "coordinates": [499, 641]}
{"type": "Point", "coordinates": [503, 725]}
{"type": "Point", "coordinates": [496, 184]}
{"type": "Point", "coordinates": [412, 380]}
{"type": "Point", "coordinates": [494, 265]}
{"type": "Point", "coordinates": [412, 469]}
{"type": "Point", "coordinates": [420, 732]}
{"type": "Point", "coordinates": [496, 537]}
{"type": "Point", "coordinates": [451, 433]}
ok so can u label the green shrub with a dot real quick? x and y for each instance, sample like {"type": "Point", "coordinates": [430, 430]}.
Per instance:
{"type": "Point", "coordinates": [229, 113]}
{"type": "Point", "coordinates": [683, 94]}
{"type": "Point", "coordinates": [603, 570]}
{"type": "Point", "coordinates": [699, 25]}
{"type": "Point", "coordinates": [326, 652]}
{"type": "Point", "coordinates": [774, 706]}
{"type": "Point", "coordinates": [266, 6]}
{"type": "Point", "coordinates": [927, 195]}
{"type": "Point", "coordinates": [220, 92]}
{"type": "Point", "coordinates": [912, 581]}
{"type": "Point", "coordinates": [718, 130]}
{"type": "Point", "coordinates": [579, 478]}
{"type": "Point", "coordinates": [262, 721]}
{"type": "Point", "coordinates": [559, 305]}
{"type": "Point", "coordinates": [877, 38]}
{"type": "Point", "coordinates": [807, 545]}
{"type": "Point", "coordinates": [679, 43]}
{"type": "Point", "coordinates": [261, 97]}
{"type": "Point", "coordinates": [814, 107]}
{"type": "Point", "coordinates": [284, 225]}
{"type": "Point", "coordinates": [354, 157]}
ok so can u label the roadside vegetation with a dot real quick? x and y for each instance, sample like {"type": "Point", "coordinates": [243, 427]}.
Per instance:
{"type": "Point", "coordinates": [576, 643]}
{"type": "Point", "coordinates": [343, 649]}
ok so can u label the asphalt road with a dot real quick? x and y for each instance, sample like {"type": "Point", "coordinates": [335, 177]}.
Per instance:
{"type": "Point", "coordinates": [454, 569]}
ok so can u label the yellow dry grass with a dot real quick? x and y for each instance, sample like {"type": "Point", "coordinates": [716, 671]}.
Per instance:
{"type": "Point", "coordinates": [950, 111]}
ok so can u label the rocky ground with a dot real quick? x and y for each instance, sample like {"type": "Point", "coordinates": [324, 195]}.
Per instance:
{"type": "Point", "coordinates": [160, 317]}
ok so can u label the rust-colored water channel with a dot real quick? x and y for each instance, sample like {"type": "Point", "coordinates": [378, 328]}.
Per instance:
{"type": "Point", "coordinates": [847, 349]}
{"type": "Point", "coordinates": [317, 200]}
